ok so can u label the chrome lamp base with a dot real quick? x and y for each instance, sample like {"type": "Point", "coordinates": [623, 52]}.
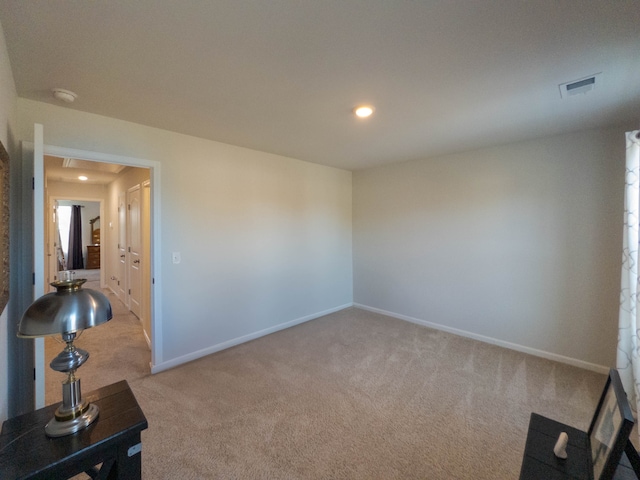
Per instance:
{"type": "Point", "coordinates": [60, 428]}
{"type": "Point", "coordinates": [75, 413]}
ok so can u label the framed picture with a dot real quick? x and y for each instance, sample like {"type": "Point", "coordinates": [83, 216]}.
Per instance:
{"type": "Point", "coordinates": [4, 227]}
{"type": "Point", "coordinates": [610, 428]}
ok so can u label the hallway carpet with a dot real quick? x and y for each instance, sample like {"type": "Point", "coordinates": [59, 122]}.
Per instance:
{"type": "Point", "coordinates": [352, 395]}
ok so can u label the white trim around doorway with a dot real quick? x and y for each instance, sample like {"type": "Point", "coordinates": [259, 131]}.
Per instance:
{"type": "Point", "coordinates": [156, 276]}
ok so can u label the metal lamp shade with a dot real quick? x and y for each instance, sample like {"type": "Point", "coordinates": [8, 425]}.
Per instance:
{"type": "Point", "coordinates": [70, 309]}
{"type": "Point", "coordinates": [66, 312]}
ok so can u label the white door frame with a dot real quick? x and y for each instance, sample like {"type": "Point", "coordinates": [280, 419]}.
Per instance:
{"type": "Point", "coordinates": [38, 212]}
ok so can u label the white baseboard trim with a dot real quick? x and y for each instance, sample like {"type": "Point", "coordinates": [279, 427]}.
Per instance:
{"type": "Point", "coordinates": [146, 337]}
{"type": "Point", "coordinates": [245, 338]}
{"type": "Point", "coordinates": [492, 341]}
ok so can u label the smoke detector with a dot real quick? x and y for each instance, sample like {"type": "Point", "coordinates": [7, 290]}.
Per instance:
{"type": "Point", "coordinates": [65, 95]}
{"type": "Point", "coordinates": [580, 86]}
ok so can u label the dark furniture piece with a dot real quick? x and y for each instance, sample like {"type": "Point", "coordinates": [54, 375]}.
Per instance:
{"type": "Point", "coordinates": [93, 250]}
{"type": "Point", "coordinates": [113, 440]}
{"type": "Point", "coordinates": [95, 230]}
{"type": "Point", "coordinates": [540, 463]}
{"type": "Point", "coordinates": [602, 453]}
{"type": "Point", "coordinates": [93, 257]}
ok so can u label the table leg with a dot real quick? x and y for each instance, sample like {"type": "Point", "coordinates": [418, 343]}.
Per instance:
{"type": "Point", "coordinates": [128, 465]}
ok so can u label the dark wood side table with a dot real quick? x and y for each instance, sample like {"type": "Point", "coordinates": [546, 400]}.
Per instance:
{"type": "Point", "coordinates": [113, 440]}
{"type": "Point", "coordinates": [540, 463]}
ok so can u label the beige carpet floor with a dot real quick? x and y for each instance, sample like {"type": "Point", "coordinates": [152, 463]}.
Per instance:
{"type": "Point", "coordinates": [352, 395]}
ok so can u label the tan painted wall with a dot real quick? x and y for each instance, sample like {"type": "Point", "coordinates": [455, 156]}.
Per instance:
{"type": "Point", "coordinates": [8, 118]}
{"type": "Point", "coordinates": [265, 240]}
{"type": "Point", "coordinates": [517, 244]}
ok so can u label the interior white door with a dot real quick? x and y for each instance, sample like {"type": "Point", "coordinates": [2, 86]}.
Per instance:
{"type": "Point", "coordinates": [39, 279]}
{"type": "Point", "coordinates": [122, 249]}
{"type": "Point", "coordinates": [134, 226]}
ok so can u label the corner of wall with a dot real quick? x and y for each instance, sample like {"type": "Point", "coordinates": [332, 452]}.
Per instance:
{"type": "Point", "coordinates": [8, 109]}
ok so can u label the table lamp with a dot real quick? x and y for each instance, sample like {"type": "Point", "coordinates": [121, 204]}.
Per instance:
{"type": "Point", "coordinates": [67, 312]}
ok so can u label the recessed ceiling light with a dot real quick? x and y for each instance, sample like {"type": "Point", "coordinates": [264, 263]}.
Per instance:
{"type": "Point", "coordinates": [65, 95]}
{"type": "Point", "coordinates": [363, 111]}
{"type": "Point", "coordinates": [83, 178]}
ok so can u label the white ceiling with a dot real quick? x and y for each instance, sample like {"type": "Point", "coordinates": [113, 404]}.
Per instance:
{"type": "Point", "coordinates": [282, 76]}
{"type": "Point", "coordinates": [69, 169]}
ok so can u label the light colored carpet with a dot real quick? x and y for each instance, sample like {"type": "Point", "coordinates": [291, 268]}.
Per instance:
{"type": "Point", "coordinates": [353, 395]}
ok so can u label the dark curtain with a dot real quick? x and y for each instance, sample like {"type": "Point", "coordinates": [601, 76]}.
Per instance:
{"type": "Point", "coordinates": [75, 260]}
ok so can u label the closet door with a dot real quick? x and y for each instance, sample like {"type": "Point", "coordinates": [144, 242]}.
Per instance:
{"type": "Point", "coordinates": [122, 249]}
{"type": "Point", "coordinates": [134, 233]}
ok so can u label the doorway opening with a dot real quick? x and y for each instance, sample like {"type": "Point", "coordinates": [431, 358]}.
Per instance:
{"type": "Point", "coordinates": [73, 241]}
{"type": "Point", "coordinates": [112, 251]}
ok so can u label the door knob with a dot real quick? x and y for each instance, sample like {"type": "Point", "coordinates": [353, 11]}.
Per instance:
{"type": "Point", "coordinates": [136, 261]}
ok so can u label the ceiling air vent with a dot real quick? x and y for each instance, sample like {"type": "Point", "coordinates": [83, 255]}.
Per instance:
{"type": "Point", "coordinates": [91, 165]}
{"type": "Point", "coordinates": [580, 86]}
